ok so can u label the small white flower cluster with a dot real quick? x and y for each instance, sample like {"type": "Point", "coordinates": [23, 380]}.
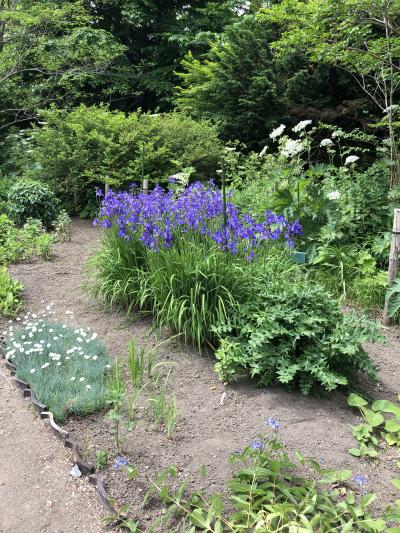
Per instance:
{"type": "Point", "coordinates": [292, 148]}
{"type": "Point", "coordinates": [32, 326]}
{"type": "Point", "coordinates": [334, 195]}
{"type": "Point", "coordinates": [351, 159]}
{"type": "Point", "coordinates": [337, 133]}
{"type": "Point", "coordinates": [277, 132]}
{"type": "Point", "coordinates": [326, 142]}
{"type": "Point", "coordinates": [302, 125]}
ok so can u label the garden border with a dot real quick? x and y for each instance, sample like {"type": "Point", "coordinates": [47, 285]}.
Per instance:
{"type": "Point", "coordinates": [87, 469]}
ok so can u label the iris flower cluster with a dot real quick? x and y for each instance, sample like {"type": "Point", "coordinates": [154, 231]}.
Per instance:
{"type": "Point", "coordinates": [161, 218]}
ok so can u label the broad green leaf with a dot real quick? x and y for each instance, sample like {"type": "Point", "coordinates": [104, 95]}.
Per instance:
{"type": "Point", "coordinates": [354, 400]}
{"type": "Point", "coordinates": [395, 483]}
{"type": "Point", "coordinates": [374, 419]}
{"type": "Point", "coordinates": [199, 518]}
{"type": "Point", "coordinates": [375, 526]}
{"type": "Point", "coordinates": [386, 407]}
{"type": "Point", "coordinates": [367, 499]}
{"type": "Point", "coordinates": [335, 476]}
{"type": "Point", "coordinates": [355, 451]}
{"type": "Point", "coordinates": [392, 426]}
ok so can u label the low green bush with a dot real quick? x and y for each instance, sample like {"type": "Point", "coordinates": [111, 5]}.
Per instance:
{"type": "Point", "coordinates": [5, 185]}
{"type": "Point", "coordinates": [32, 199]}
{"type": "Point", "coordinates": [296, 335]}
{"type": "Point", "coordinates": [75, 150]}
{"type": "Point", "coordinates": [23, 244]}
{"type": "Point", "coordinates": [65, 367]}
{"type": "Point", "coordinates": [10, 294]}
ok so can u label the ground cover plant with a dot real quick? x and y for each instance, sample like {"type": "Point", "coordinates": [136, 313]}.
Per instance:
{"type": "Point", "coordinates": [381, 422]}
{"type": "Point", "coordinates": [24, 243]}
{"type": "Point", "coordinates": [10, 293]}
{"type": "Point", "coordinates": [293, 334]}
{"type": "Point", "coordinates": [268, 492]}
{"type": "Point", "coordinates": [65, 367]}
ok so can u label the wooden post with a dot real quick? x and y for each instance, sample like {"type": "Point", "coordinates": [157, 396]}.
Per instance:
{"type": "Point", "coordinates": [393, 260]}
{"type": "Point", "coordinates": [106, 188]}
{"type": "Point", "coordinates": [145, 181]}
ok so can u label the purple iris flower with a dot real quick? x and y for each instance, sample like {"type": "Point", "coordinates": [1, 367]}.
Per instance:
{"type": "Point", "coordinates": [159, 219]}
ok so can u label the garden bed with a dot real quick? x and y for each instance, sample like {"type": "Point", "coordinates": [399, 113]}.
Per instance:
{"type": "Point", "coordinates": [213, 420]}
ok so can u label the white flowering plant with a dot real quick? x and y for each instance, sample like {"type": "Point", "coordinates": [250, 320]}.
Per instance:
{"type": "Point", "coordinates": [65, 367]}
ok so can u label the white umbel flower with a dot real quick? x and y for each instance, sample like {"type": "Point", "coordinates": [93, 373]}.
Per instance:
{"type": "Point", "coordinates": [277, 132]}
{"type": "Point", "coordinates": [302, 125]}
{"type": "Point", "coordinates": [292, 148]}
{"type": "Point", "coordinates": [351, 159]}
{"type": "Point", "coordinates": [334, 195]}
{"type": "Point", "coordinates": [326, 142]}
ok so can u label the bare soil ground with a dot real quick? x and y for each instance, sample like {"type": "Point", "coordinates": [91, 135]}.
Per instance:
{"type": "Point", "coordinates": [208, 429]}
{"type": "Point", "coordinates": [37, 494]}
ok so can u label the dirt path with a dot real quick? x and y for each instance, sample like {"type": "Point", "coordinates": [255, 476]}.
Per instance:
{"type": "Point", "coordinates": [208, 428]}
{"type": "Point", "coordinates": [37, 494]}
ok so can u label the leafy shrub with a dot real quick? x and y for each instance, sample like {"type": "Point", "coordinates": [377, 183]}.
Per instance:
{"type": "Point", "coordinates": [369, 291]}
{"type": "Point", "coordinates": [6, 226]}
{"type": "Point", "coordinates": [23, 244]}
{"type": "Point", "coordinates": [62, 226]}
{"type": "Point", "coordinates": [393, 296]}
{"type": "Point", "coordinates": [296, 336]}
{"type": "Point", "coordinates": [5, 185]}
{"type": "Point", "coordinates": [32, 199]}
{"type": "Point", "coordinates": [76, 150]}
{"type": "Point", "coordinates": [268, 493]}
{"type": "Point", "coordinates": [65, 367]}
{"type": "Point", "coordinates": [10, 294]}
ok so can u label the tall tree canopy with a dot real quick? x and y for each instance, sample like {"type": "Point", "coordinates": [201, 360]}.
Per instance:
{"type": "Point", "coordinates": [50, 51]}
{"type": "Point", "coordinates": [158, 34]}
{"type": "Point", "coordinates": [360, 36]}
{"type": "Point", "coordinates": [243, 86]}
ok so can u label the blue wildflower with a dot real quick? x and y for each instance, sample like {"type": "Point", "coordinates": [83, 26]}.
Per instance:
{"type": "Point", "coordinates": [159, 219]}
{"type": "Point", "coordinates": [120, 462]}
{"type": "Point", "coordinates": [257, 445]}
{"type": "Point", "coordinates": [273, 423]}
{"type": "Point", "coordinates": [360, 480]}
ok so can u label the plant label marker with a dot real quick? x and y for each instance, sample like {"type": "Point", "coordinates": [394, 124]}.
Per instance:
{"type": "Point", "coordinates": [393, 261]}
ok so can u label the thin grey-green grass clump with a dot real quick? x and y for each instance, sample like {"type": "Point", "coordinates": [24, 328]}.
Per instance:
{"type": "Point", "coordinates": [65, 367]}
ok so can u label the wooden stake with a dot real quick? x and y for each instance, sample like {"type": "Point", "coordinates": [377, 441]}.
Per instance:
{"type": "Point", "coordinates": [393, 260]}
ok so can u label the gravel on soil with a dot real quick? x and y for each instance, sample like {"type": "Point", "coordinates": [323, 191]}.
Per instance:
{"type": "Point", "coordinates": [214, 420]}
{"type": "Point", "coordinates": [37, 494]}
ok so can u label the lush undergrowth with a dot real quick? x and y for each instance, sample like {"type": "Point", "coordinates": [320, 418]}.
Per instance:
{"type": "Point", "coordinates": [65, 367]}
{"type": "Point", "coordinates": [25, 243]}
{"type": "Point", "coordinates": [10, 294]}
{"type": "Point", "coordinates": [222, 278]}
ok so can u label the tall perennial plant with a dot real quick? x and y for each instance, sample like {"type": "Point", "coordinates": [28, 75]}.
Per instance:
{"type": "Point", "coordinates": [187, 257]}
